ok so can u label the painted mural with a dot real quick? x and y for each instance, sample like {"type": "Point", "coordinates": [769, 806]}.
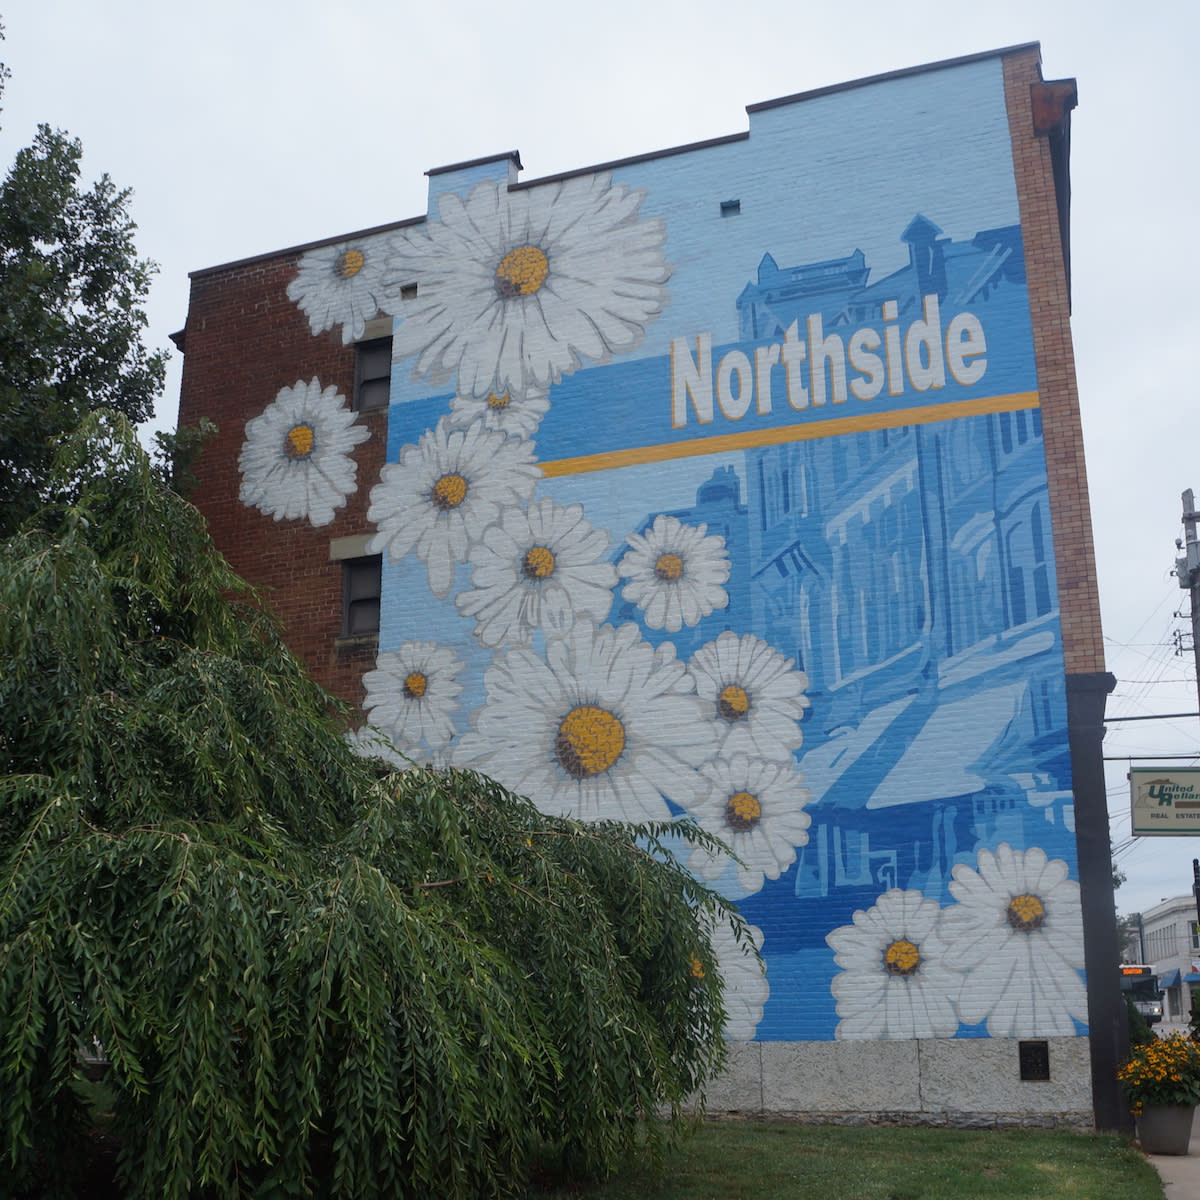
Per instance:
{"type": "Point", "coordinates": [296, 462]}
{"type": "Point", "coordinates": [673, 530]}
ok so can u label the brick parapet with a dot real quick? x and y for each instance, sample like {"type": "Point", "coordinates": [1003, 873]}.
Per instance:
{"type": "Point", "coordinates": [1049, 303]}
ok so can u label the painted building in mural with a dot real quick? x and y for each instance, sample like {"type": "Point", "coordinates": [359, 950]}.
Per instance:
{"type": "Point", "coordinates": [739, 482]}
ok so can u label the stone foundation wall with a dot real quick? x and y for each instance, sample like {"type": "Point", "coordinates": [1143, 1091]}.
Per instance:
{"type": "Point", "coordinates": [961, 1083]}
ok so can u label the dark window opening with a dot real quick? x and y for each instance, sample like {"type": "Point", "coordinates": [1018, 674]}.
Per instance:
{"type": "Point", "coordinates": [373, 374]}
{"type": "Point", "coordinates": [361, 586]}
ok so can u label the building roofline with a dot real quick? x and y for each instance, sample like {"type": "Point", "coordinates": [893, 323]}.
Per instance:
{"type": "Point", "coordinates": [513, 156]}
{"type": "Point", "coordinates": [779, 102]}
{"type": "Point", "coordinates": [201, 272]}
{"type": "Point", "coordinates": [883, 77]}
{"type": "Point", "coordinates": [686, 148]}
{"type": "Point", "coordinates": [1168, 904]}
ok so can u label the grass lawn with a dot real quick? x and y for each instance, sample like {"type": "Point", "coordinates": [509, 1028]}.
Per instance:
{"type": "Point", "coordinates": [775, 1160]}
{"type": "Point", "coordinates": [734, 1160]}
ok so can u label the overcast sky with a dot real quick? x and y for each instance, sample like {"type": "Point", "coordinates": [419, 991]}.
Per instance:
{"type": "Point", "coordinates": [245, 126]}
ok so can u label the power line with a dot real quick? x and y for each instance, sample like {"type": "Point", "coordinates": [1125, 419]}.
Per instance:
{"type": "Point", "coordinates": [1153, 717]}
{"type": "Point", "coordinates": [1145, 757]}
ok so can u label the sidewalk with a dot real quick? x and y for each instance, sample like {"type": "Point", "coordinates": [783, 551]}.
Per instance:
{"type": "Point", "coordinates": [1166, 1028]}
{"type": "Point", "coordinates": [1180, 1173]}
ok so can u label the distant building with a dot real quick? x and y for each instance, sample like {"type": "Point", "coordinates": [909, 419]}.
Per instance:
{"type": "Point", "coordinates": [1172, 947]}
{"type": "Point", "coordinates": [570, 481]}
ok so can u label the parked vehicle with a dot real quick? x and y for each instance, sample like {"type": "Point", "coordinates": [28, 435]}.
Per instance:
{"type": "Point", "coordinates": [1141, 983]}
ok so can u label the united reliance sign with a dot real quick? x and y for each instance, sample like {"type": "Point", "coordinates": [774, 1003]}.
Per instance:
{"type": "Point", "coordinates": [1165, 801]}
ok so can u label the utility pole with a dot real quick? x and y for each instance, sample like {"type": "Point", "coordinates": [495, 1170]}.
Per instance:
{"type": "Point", "coordinates": [1196, 887]}
{"type": "Point", "coordinates": [1187, 571]}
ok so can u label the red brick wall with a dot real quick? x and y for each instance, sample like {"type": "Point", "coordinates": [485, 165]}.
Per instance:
{"type": "Point", "coordinates": [1078, 591]}
{"type": "Point", "coordinates": [244, 341]}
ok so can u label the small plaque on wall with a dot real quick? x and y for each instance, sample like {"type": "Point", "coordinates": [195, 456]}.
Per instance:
{"type": "Point", "coordinates": [1034, 1058]}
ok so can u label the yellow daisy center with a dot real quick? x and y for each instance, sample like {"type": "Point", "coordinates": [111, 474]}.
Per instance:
{"type": "Point", "coordinates": [299, 442]}
{"type": "Point", "coordinates": [1026, 913]}
{"type": "Point", "coordinates": [449, 492]}
{"type": "Point", "coordinates": [348, 264]}
{"type": "Point", "coordinates": [733, 703]}
{"type": "Point", "coordinates": [742, 812]}
{"type": "Point", "coordinates": [590, 739]}
{"type": "Point", "coordinates": [521, 272]}
{"type": "Point", "coordinates": [498, 402]}
{"type": "Point", "coordinates": [669, 567]}
{"type": "Point", "coordinates": [901, 958]}
{"type": "Point", "coordinates": [697, 968]}
{"type": "Point", "coordinates": [538, 563]}
{"type": "Point", "coordinates": [415, 685]}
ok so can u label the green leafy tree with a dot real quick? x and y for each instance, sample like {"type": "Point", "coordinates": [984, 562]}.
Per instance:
{"type": "Point", "coordinates": [1140, 1033]}
{"type": "Point", "coordinates": [72, 291]}
{"type": "Point", "coordinates": [306, 972]}
{"type": "Point", "coordinates": [1128, 941]}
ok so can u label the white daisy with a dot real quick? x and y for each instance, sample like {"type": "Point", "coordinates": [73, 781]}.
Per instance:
{"type": "Point", "coordinates": [374, 743]}
{"type": "Point", "coordinates": [675, 572]}
{"type": "Point", "coordinates": [444, 492]}
{"type": "Point", "coordinates": [295, 462]}
{"type": "Point", "coordinates": [412, 695]}
{"type": "Point", "coordinates": [1017, 931]}
{"type": "Point", "coordinates": [516, 288]}
{"type": "Point", "coordinates": [539, 569]}
{"type": "Point", "coordinates": [744, 974]}
{"type": "Point", "coordinates": [515, 413]}
{"type": "Point", "coordinates": [601, 729]}
{"type": "Point", "coordinates": [370, 742]}
{"type": "Point", "coordinates": [341, 285]}
{"type": "Point", "coordinates": [758, 697]}
{"type": "Point", "coordinates": [756, 808]}
{"type": "Point", "coordinates": [894, 981]}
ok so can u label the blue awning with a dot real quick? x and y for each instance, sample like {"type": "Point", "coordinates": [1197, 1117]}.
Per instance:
{"type": "Point", "coordinates": [1194, 977]}
{"type": "Point", "coordinates": [1169, 978]}
{"type": "Point", "coordinates": [941, 760]}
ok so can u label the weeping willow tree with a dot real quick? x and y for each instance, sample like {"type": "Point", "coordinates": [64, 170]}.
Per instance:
{"type": "Point", "coordinates": [307, 975]}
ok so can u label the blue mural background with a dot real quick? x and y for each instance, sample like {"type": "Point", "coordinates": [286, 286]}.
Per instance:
{"type": "Point", "coordinates": [898, 549]}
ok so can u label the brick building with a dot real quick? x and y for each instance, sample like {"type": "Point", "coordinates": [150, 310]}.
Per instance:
{"type": "Point", "coordinates": [741, 481]}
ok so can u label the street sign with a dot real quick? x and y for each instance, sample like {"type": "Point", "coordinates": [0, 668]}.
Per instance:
{"type": "Point", "coordinates": [1165, 801]}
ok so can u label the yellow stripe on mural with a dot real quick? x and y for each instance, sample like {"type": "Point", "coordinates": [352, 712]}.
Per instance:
{"type": "Point", "coordinates": [779, 434]}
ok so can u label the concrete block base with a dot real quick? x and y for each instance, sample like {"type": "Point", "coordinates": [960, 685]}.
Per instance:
{"type": "Point", "coordinates": [973, 1082]}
